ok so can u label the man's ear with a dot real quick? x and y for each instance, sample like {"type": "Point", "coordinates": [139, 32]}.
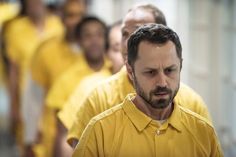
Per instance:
{"type": "Point", "coordinates": [129, 71]}
{"type": "Point", "coordinates": [181, 63]}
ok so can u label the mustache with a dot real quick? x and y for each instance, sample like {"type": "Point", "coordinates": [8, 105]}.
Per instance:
{"type": "Point", "coordinates": [159, 89]}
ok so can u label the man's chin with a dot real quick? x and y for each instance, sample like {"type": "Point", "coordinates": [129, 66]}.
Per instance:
{"type": "Point", "coordinates": [160, 104]}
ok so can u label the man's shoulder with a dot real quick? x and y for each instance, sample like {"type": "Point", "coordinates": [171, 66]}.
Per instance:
{"type": "Point", "coordinates": [109, 86]}
{"type": "Point", "coordinates": [108, 116]}
{"type": "Point", "coordinates": [190, 99]}
{"type": "Point", "coordinates": [193, 120]}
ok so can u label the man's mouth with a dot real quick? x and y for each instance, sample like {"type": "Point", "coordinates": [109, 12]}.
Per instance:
{"type": "Point", "coordinates": [161, 94]}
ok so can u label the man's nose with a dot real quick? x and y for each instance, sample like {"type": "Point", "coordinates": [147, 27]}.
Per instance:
{"type": "Point", "coordinates": [161, 80]}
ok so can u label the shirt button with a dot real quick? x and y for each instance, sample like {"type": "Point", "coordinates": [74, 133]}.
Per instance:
{"type": "Point", "coordinates": [158, 132]}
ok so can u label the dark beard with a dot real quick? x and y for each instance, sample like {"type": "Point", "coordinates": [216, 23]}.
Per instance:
{"type": "Point", "coordinates": [160, 103]}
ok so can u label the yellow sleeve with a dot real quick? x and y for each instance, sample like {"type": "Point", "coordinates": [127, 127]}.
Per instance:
{"type": "Point", "coordinates": [68, 113]}
{"type": "Point", "coordinates": [8, 11]}
{"type": "Point", "coordinates": [60, 91]}
{"type": "Point", "coordinates": [65, 85]}
{"type": "Point", "coordinates": [2, 71]}
{"type": "Point", "coordinates": [11, 44]}
{"type": "Point", "coordinates": [90, 144]}
{"type": "Point", "coordinates": [38, 66]}
{"type": "Point", "coordinates": [83, 115]}
{"type": "Point", "coordinates": [215, 145]}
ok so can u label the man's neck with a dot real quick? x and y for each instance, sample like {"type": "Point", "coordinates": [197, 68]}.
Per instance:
{"type": "Point", "coordinates": [70, 37]}
{"type": "Point", "coordinates": [38, 22]}
{"type": "Point", "coordinates": [156, 114]}
{"type": "Point", "coordinates": [96, 65]}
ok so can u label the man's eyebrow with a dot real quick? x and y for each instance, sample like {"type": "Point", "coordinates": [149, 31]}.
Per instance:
{"type": "Point", "coordinates": [172, 66]}
{"type": "Point", "coordinates": [150, 68]}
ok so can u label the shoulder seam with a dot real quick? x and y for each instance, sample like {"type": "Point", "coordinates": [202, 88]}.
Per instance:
{"type": "Point", "coordinates": [196, 116]}
{"type": "Point", "coordinates": [106, 114]}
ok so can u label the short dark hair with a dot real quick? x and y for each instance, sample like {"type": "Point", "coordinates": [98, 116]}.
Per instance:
{"type": "Point", "coordinates": [87, 19]}
{"type": "Point", "coordinates": [155, 11]}
{"type": "Point", "coordinates": [154, 33]}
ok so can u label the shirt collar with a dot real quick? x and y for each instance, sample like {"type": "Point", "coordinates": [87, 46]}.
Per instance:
{"type": "Point", "coordinates": [141, 121]}
{"type": "Point", "coordinates": [138, 118]}
{"type": "Point", "coordinates": [175, 119]}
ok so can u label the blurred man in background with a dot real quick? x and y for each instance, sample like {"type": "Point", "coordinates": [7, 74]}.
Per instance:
{"type": "Point", "coordinates": [91, 34]}
{"type": "Point", "coordinates": [22, 37]}
{"type": "Point", "coordinates": [67, 114]}
{"type": "Point", "coordinates": [114, 46]}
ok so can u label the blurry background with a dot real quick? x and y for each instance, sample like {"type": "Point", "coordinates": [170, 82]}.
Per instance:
{"type": "Point", "coordinates": [207, 29]}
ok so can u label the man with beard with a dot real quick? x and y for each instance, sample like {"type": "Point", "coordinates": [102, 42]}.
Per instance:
{"type": "Point", "coordinates": [113, 91]}
{"type": "Point", "coordinates": [150, 123]}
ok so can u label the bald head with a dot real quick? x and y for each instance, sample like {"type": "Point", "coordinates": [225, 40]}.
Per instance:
{"type": "Point", "coordinates": [136, 17]}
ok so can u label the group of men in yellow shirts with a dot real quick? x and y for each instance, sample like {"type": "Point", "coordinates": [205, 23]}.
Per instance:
{"type": "Point", "coordinates": [45, 53]}
{"type": "Point", "coordinates": [61, 84]}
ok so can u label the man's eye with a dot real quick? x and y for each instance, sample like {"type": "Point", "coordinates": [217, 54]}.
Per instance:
{"type": "Point", "coordinates": [169, 70]}
{"type": "Point", "coordinates": [151, 72]}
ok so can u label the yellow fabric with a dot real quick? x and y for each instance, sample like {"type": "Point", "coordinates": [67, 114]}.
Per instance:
{"type": "Point", "coordinates": [52, 58]}
{"type": "Point", "coordinates": [47, 129]}
{"type": "Point", "coordinates": [113, 92]}
{"type": "Point", "coordinates": [2, 71]}
{"type": "Point", "coordinates": [8, 11]}
{"type": "Point", "coordinates": [68, 113]}
{"type": "Point", "coordinates": [66, 84]}
{"type": "Point", "coordinates": [126, 131]}
{"type": "Point", "coordinates": [22, 40]}
{"type": "Point", "coordinates": [39, 150]}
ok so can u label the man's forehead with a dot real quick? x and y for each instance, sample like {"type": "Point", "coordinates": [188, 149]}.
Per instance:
{"type": "Point", "coordinates": [131, 27]}
{"type": "Point", "coordinates": [136, 18]}
{"type": "Point", "coordinates": [138, 14]}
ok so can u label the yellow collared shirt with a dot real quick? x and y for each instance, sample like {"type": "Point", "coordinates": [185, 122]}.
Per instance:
{"type": "Point", "coordinates": [113, 92]}
{"type": "Point", "coordinates": [125, 131]}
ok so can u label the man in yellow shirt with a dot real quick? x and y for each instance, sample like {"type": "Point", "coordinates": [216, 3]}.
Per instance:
{"type": "Point", "coordinates": [22, 37]}
{"type": "Point", "coordinates": [150, 123]}
{"type": "Point", "coordinates": [114, 90]}
{"type": "Point", "coordinates": [91, 32]}
{"type": "Point", "coordinates": [91, 35]}
{"type": "Point", "coordinates": [67, 114]}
